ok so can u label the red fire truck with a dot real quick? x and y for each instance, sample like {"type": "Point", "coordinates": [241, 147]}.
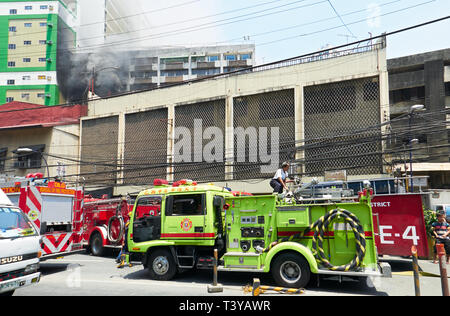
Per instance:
{"type": "Point", "coordinates": [53, 208]}
{"type": "Point", "coordinates": [104, 221]}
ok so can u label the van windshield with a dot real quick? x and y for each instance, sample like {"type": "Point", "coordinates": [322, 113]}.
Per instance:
{"type": "Point", "coordinates": [14, 224]}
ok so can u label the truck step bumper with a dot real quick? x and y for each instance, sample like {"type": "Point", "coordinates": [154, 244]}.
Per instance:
{"type": "Point", "coordinates": [383, 271]}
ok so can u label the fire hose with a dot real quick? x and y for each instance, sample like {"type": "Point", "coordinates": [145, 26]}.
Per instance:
{"type": "Point", "coordinates": [121, 229]}
{"type": "Point", "coordinates": [319, 228]}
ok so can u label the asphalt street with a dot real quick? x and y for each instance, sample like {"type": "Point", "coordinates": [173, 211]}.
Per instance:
{"type": "Point", "coordinates": [86, 275]}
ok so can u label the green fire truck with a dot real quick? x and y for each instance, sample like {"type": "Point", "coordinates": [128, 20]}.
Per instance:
{"type": "Point", "coordinates": [252, 234]}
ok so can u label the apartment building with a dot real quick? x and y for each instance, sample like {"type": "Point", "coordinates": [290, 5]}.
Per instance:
{"type": "Point", "coordinates": [161, 66]}
{"type": "Point", "coordinates": [37, 37]}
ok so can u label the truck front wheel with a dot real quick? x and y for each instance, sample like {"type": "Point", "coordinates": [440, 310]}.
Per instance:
{"type": "Point", "coordinates": [161, 265]}
{"type": "Point", "coordinates": [291, 270]}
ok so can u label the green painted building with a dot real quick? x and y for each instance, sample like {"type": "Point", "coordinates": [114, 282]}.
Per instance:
{"type": "Point", "coordinates": [36, 42]}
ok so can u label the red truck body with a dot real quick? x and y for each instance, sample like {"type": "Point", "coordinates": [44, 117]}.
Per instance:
{"type": "Point", "coordinates": [399, 224]}
{"type": "Point", "coordinates": [53, 208]}
{"type": "Point", "coordinates": [104, 221]}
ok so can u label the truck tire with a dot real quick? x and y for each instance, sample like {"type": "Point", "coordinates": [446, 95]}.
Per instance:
{"type": "Point", "coordinates": [161, 265]}
{"type": "Point", "coordinates": [96, 245]}
{"type": "Point", "coordinates": [291, 270]}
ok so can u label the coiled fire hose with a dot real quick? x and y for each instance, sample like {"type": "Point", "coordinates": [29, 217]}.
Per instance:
{"type": "Point", "coordinates": [319, 228]}
{"type": "Point", "coordinates": [121, 229]}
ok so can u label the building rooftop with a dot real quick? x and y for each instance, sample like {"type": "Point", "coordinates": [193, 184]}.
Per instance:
{"type": "Point", "coordinates": [21, 114]}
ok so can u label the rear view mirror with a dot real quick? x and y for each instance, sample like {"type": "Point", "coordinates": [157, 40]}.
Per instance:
{"type": "Point", "coordinates": [218, 202]}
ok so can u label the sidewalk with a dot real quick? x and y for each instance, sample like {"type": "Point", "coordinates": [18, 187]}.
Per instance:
{"type": "Point", "coordinates": [403, 266]}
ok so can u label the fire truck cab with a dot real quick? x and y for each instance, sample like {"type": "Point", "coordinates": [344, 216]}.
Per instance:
{"type": "Point", "coordinates": [258, 234]}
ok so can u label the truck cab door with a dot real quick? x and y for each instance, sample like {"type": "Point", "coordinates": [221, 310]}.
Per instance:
{"type": "Point", "coordinates": [186, 217]}
{"type": "Point", "coordinates": [147, 219]}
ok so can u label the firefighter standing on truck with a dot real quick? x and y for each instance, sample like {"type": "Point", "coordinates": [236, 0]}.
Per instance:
{"type": "Point", "coordinates": [279, 181]}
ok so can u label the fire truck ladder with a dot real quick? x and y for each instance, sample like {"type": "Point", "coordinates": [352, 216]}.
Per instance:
{"type": "Point", "coordinates": [185, 257]}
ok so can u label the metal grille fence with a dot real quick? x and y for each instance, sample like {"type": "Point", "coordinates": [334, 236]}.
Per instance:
{"type": "Point", "coordinates": [99, 142]}
{"type": "Point", "coordinates": [336, 118]}
{"type": "Point", "coordinates": [203, 115]}
{"type": "Point", "coordinates": [145, 155]}
{"type": "Point", "coordinates": [251, 113]}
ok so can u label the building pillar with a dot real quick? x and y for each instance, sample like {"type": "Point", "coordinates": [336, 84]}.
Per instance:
{"type": "Point", "coordinates": [435, 102]}
{"type": "Point", "coordinates": [121, 149]}
{"type": "Point", "coordinates": [229, 137]}
{"type": "Point", "coordinates": [385, 113]}
{"type": "Point", "coordinates": [170, 142]}
{"type": "Point", "coordinates": [299, 129]}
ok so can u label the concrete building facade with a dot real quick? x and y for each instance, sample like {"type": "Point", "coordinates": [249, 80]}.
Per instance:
{"type": "Point", "coordinates": [128, 141]}
{"type": "Point", "coordinates": [37, 37]}
{"type": "Point", "coordinates": [422, 79]}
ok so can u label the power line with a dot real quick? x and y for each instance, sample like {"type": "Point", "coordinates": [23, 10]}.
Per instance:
{"type": "Point", "coordinates": [342, 20]}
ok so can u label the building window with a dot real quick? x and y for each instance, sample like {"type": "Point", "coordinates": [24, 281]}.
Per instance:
{"type": "Point", "coordinates": [42, 59]}
{"type": "Point", "coordinates": [27, 60]}
{"type": "Point", "coordinates": [230, 57]}
{"type": "Point", "coordinates": [212, 58]}
{"type": "Point", "coordinates": [28, 7]}
{"type": "Point", "coordinates": [447, 89]}
{"type": "Point", "coordinates": [174, 73]}
{"type": "Point", "coordinates": [26, 42]}
{"type": "Point", "coordinates": [25, 96]}
{"type": "Point", "coordinates": [10, 82]}
{"type": "Point", "coordinates": [13, 11]}
{"type": "Point", "coordinates": [29, 160]}
{"type": "Point", "coordinates": [13, 29]}
{"type": "Point", "coordinates": [28, 24]}
{"type": "Point", "coordinates": [11, 64]}
{"type": "Point", "coordinates": [9, 99]}
{"type": "Point", "coordinates": [11, 46]}
{"type": "Point", "coordinates": [43, 24]}
{"type": "Point", "coordinates": [3, 152]}
{"type": "Point", "coordinates": [245, 56]}
{"type": "Point", "coordinates": [44, 7]}
{"type": "Point", "coordinates": [26, 78]}
{"type": "Point", "coordinates": [206, 72]}
{"type": "Point", "coordinates": [41, 95]}
{"type": "Point", "coordinates": [42, 42]}
{"type": "Point", "coordinates": [42, 77]}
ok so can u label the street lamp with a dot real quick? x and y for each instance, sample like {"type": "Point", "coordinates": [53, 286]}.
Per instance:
{"type": "Point", "coordinates": [29, 151]}
{"type": "Point", "coordinates": [414, 108]}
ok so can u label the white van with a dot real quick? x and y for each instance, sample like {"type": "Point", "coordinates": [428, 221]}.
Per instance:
{"type": "Point", "coordinates": [19, 249]}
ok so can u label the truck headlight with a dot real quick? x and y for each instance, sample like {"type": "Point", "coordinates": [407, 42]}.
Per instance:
{"type": "Point", "coordinates": [31, 268]}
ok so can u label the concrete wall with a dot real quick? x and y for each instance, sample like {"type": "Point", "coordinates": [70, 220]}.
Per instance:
{"type": "Point", "coordinates": [349, 67]}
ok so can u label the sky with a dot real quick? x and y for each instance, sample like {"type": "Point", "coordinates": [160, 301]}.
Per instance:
{"type": "Point", "coordinates": [286, 28]}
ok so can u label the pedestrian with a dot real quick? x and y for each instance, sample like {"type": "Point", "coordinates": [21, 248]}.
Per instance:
{"type": "Point", "coordinates": [279, 181]}
{"type": "Point", "coordinates": [441, 231]}
{"type": "Point", "coordinates": [124, 256]}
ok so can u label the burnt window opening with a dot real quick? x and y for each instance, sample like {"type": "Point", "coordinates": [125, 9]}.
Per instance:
{"type": "Point", "coordinates": [3, 152]}
{"type": "Point", "coordinates": [409, 94]}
